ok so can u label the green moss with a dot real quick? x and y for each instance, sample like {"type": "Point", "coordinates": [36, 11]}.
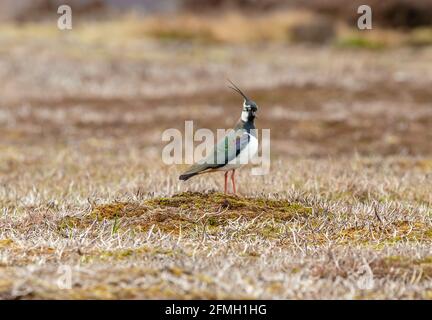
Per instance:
{"type": "Point", "coordinates": [358, 42]}
{"type": "Point", "coordinates": [124, 254]}
{"type": "Point", "coordinates": [213, 222]}
{"type": "Point", "coordinates": [116, 254]}
{"type": "Point", "coordinates": [176, 34]}
{"type": "Point", "coordinates": [118, 210]}
{"type": "Point", "coordinates": [270, 231]}
{"type": "Point", "coordinates": [67, 223]}
{"type": "Point", "coordinates": [396, 259]}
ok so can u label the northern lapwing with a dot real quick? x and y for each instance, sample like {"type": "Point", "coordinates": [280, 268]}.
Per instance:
{"type": "Point", "coordinates": [234, 150]}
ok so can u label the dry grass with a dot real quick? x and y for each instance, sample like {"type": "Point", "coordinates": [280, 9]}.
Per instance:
{"type": "Point", "coordinates": [82, 184]}
{"type": "Point", "coordinates": [308, 227]}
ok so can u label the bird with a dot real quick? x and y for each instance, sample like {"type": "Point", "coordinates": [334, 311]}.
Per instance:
{"type": "Point", "coordinates": [234, 150]}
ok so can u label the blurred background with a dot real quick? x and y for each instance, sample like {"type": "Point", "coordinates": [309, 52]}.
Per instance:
{"type": "Point", "coordinates": [130, 69]}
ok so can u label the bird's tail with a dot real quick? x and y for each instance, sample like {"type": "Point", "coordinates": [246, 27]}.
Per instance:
{"type": "Point", "coordinates": [186, 176]}
{"type": "Point", "coordinates": [193, 170]}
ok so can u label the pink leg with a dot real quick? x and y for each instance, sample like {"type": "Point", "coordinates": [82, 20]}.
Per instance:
{"type": "Point", "coordinates": [233, 181]}
{"type": "Point", "coordinates": [226, 182]}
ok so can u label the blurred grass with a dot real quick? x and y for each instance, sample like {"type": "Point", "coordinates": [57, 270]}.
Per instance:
{"type": "Point", "coordinates": [289, 27]}
{"type": "Point", "coordinates": [420, 37]}
{"type": "Point", "coordinates": [359, 42]}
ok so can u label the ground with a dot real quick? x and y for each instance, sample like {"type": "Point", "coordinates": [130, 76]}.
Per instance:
{"type": "Point", "coordinates": [86, 201]}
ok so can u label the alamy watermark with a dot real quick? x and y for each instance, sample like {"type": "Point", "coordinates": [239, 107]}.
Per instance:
{"type": "Point", "coordinates": [364, 22]}
{"type": "Point", "coordinates": [64, 22]}
{"type": "Point", "coordinates": [231, 147]}
{"type": "Point", "coordinates": [64, 279]}
{"type": "Point", "coordinates": [365, 278]}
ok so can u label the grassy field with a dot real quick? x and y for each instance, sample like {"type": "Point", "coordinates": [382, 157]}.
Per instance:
{"type": "Point", "coordinates": [345, 211]}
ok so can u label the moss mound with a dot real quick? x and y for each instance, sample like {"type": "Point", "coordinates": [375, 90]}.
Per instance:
{"type": "Point", "coordinates": [213, 213]}
{"type": "Point", "coordinates": [189, 211]}
{"type": "Point", "coordinates": [118, 210]}
{"type": "Point", "coordinates": [231, 205]}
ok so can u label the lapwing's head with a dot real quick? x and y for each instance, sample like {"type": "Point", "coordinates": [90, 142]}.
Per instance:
{"type": "Point", "coordinates": [250, 108]}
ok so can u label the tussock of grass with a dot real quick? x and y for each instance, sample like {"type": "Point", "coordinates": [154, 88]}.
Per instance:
{"type": "Point", "coordinates": [189, 213]}
{"type": "Point", "coordinates": [118, 210]}
{"type": "Point", "coordinates": [231, 205]}
{"type": "Point", "coordinates": [186, 211]}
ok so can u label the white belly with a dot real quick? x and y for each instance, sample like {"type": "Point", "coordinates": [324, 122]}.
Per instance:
{"type": "Point", "coordinates": [245, 156]}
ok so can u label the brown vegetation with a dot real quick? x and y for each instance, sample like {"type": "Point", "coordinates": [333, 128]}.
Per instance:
{"type": "Point", "coordinates": [82, 183]}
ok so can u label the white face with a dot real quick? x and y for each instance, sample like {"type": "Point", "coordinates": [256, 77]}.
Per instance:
{"type": "Point", "coordinates": [245, 113]}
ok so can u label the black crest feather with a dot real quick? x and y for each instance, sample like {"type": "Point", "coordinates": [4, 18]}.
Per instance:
{"type": "Point", "coordinates": [237, 89]}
